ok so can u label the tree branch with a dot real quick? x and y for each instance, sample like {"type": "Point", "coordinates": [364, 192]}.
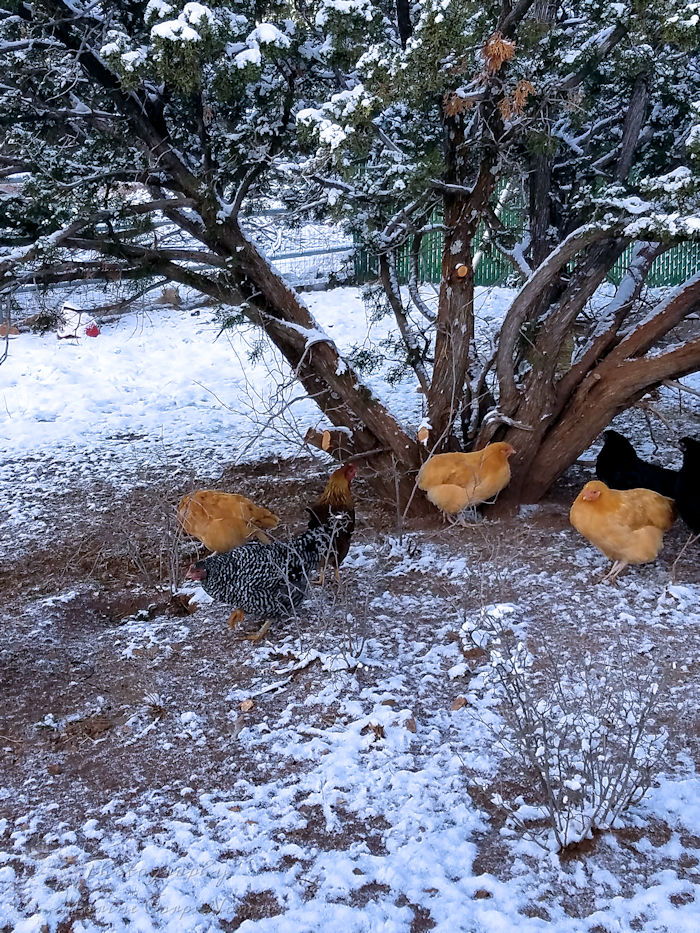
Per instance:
{"type": "Point", "coordinates": [528, 299]}
{"type": "Point", "coordinates": [634, 120]}
{"type": "Point", "coordinates": [665, 316]}
{"type": "Point", "coordinates": [387, 274]}
{"type": "Point", "coordinates": [610, 318]}
{"type": "Point", "coordinates": [133, 251]}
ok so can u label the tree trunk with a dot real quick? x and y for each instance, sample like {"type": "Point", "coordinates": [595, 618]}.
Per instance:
{"type": "Point", "coordinates": [599, 398]}
{"type": "Point", "coordinates": [455, 329]}
{"type": "Point", "coordinates": [560, 418]}
{"type": "Point", "coordinates": [540, 183]}
{"type": "Point", "coordinates": [403, 19]}
{"type": "Point", "coordinates": [454, 339]}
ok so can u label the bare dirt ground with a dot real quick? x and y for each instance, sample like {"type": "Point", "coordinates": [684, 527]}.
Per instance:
{"type": "Point", "coordinates": [100, 667]}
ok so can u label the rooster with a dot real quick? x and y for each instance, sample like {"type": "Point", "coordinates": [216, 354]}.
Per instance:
{"type": "Point", "coordinates": [222, 521]}
{"type": "Point", "coordinates": [627, 525]}
{"type": "Point", "coordinates": [268, 581]}
{"type": "Point", "coordinates": [454, 482]}
{"type": "Point", "coordinates": [336, 498]}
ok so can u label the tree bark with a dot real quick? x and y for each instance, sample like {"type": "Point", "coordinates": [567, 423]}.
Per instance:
{"type": "Point", "coordinates": [455, 327]}
{"type": "Point", "coordinates": [634, 120]}
{"type": "Point", "coordinates": [454, 338]}
{"type": "Point", "coordinates": [540, 184]}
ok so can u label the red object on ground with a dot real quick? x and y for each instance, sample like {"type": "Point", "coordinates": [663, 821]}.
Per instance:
{"type": "Point", "coordinates": [92, 330]}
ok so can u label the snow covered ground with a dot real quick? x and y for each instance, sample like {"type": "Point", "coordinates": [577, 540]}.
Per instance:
{"type": "Point", "coordinates": [163, 387]}
{"type": "Point", "coordinates": [348, 774]}
{"type": "Point", "coordinates": [168, 378]}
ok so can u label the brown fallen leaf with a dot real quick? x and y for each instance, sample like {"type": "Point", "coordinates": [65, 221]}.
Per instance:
{"type": "Point", "coordinates": [459, 703]}
{"type": "Point", "coordinates": [474, 654]}
{"type": "Point", "coordinates": [411, 724]}
{"type": "Point", "coordinates": [247, 705]}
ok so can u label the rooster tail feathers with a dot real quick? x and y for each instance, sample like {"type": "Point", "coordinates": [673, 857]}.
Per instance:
{"type": "Point", "coordinates": [320, 515]}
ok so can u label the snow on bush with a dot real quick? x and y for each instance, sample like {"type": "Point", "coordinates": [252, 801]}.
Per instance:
{"type": "Point", "coordinates": [588, 734]}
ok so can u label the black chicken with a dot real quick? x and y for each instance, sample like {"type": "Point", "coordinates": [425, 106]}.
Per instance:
{"type": "Point", "coordinates": [619, 467]}
{"type": "Point", "coordinates": [688, 488]}
{"type": "Point", "coordinates": [267, 581]}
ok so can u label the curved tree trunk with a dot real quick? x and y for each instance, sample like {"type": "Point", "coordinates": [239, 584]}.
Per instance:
{"type": "Point", "coordinates": [267, 300]}
{"type": "Point", "coordinates": [611, 382]}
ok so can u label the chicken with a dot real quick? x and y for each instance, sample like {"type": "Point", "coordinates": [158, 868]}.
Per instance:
{"type": "Point", "coordinates": [619, 467]}
{"type": "Point", "coordinates": [336, 498]}
{"type": "Point", "coordinates": [222, 520]}
{"type": "Point", "coordinates": [688, 488]}
{"type": "Point", "coordinates": [453, 482]}
{"type": "Point", "coordinates": [268, 581]}
{"type": "Point", "coordinates": [688, 491]}
{"type": "Point", "coordinates": [627, 525]}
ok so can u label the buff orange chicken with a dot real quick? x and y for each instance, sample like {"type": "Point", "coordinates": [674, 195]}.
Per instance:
{"type": "Point", "coordinates": [455, 481]}
{"type": "Point", "coordinates": [223, 521]}
{"type": "Point", "coordinates": [626, 525]}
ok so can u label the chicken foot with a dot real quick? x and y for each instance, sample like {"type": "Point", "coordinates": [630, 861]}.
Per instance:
{"type": "Point", "coordinates": [322, 574]}
{"type": "Point", "coordinates": [261, 632]}
{"type": "Point", "coordinates": [238, 615]}
{"type": "Point", "coordinates": [467, 518]}
{"type": "Point", "coordinates": [614, 572]}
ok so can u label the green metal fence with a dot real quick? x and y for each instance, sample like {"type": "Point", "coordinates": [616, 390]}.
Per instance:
{"type": "Point", "coordinates": [672, 268]}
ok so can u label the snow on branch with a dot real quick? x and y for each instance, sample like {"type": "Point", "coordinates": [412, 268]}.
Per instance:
{"type": "Point", "coordinates": [662, 318]}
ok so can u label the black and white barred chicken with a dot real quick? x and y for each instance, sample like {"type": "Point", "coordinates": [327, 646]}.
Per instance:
{"type": "Point", "coordinates": [267, 581]}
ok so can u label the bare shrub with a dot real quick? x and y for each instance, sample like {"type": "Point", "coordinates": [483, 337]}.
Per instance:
{"type": "Point", "coordinates": [585, 733]}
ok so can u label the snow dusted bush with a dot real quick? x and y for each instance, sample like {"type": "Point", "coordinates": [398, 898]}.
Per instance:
{"type": "Point", "coordinates": [588, 733]}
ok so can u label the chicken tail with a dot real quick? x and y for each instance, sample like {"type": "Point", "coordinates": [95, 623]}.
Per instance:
{"type": "Point", "coordinates": [263, 517]}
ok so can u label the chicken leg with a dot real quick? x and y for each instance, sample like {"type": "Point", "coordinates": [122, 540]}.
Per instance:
{"type": "Point", "coordinates": [614, 572]}
{"type": "Point", "coordinates": [236, 616]}
{"type": "Point", "coordinates": [261, 632]}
